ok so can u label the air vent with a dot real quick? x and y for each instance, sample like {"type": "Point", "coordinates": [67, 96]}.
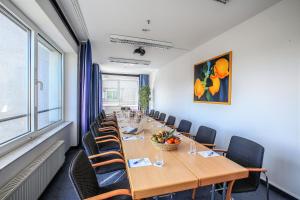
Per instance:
{"type": "Point", "coordinates": [141, 42]}
{"type": "Point", "coordinates": [129, 61]}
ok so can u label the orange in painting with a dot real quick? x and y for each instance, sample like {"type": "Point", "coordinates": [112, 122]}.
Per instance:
{"type": "Point", "coordinates": [221, 68]}
{"type": "Point", "coordinates": [199, 88]}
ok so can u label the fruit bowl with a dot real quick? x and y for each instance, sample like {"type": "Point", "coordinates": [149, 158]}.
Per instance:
{"type": "Point", "coordinates": [165, 140]}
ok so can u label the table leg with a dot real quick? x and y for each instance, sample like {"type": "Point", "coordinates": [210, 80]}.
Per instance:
{"type": "Point", "coordinates": [229, 190]}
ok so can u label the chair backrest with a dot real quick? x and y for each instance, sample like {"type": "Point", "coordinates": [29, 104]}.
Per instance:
{"type": "Point", "coordinates": [89, 144]}
{"type": "Point", "coordinates": [83, 176]}
{"type": "Point", "coordinates": [151, 113]}
{"type": "Point", "coordinates": [206, 135]}
{"type": "Point", "coordinates": [184, 126]}
{"type": "Point", "coordinates": [156, 114]}
{"type": "Point", "coordinates": [102, 114]}
{"type": "Point", "coordinates": [94, 129]}
{"type": "Point", "coordinates": [248, 154]}
{"type": "Point", "coordinates": [162, 117]}
{"type": "Point", "coordinates": [171, 120]}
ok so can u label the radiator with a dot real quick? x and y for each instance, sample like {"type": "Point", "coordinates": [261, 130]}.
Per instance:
{"type": "Point", "coordinates": [30, 183]}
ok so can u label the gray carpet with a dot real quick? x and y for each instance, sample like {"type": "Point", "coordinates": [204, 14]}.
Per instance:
{"type": "Point", "coordinates": [61, 188]}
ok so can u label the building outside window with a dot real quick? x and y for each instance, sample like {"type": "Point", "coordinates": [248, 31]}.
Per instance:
{"type": "Point", "coordinates": [120, 91]}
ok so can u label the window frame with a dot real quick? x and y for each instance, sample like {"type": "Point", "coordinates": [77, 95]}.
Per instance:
{"type": "Point", "coordinates": [13, 13]}
{"type": "Point", "coordinates": [45, 42]}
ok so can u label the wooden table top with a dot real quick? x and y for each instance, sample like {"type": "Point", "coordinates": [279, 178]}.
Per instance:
{"type": "Point", "coordinates": [181, 171]}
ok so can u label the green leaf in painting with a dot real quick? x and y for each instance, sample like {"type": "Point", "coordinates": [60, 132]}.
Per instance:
{"type": "Point", "coordinates": [208, 96]}
{"type": "Point", "coordinates": [202, 76]}
{"type": "Point", "coordinates": [205, 68]}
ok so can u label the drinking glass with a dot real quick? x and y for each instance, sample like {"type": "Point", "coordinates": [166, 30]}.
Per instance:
{"type": "Point", "coordinates": [159, 159]}
{"type": "Point", "coordinates": [193, 148]}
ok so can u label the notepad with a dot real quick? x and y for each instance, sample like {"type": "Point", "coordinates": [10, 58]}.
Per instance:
{"type": "Point", "coordinates": [133, 137]}
{"type": "Point", "coordinates": [129, 130]}
{"type": "Point", "coordinates": [139, 162]}
{"type": "Point", "coordinates": [208, 154]}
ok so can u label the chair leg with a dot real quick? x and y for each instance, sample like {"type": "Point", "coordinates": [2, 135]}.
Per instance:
{"type": "Point", "coordinates": [268, 187]}
{"type": "Point", "coordinates": [213, 190]}
{"type": "Point", "coordinates": [224, 191]}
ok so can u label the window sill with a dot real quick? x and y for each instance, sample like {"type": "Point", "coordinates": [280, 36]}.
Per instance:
{"type": "Point", "coordinates": [10, 157]}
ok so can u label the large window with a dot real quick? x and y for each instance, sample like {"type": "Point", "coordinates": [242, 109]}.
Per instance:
{"type": "Point", "coordinates": [49, 84]}
{"type": "Point", "coordinates": [31, 92]}
{"type": "Point", "coordinates": [14, 78]}
{"type": "Point", "coordinates": [119, 91]}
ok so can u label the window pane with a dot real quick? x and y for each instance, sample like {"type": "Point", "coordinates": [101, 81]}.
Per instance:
{"type": "Point", "coordinates": [49, 85]}
{"type": "Point", "coordinates": [120, 91]}
{"type": "Point", "coordinates": [14, 79]}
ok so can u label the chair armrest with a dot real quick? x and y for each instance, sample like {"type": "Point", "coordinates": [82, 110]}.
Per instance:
{"type": "Point", "coordinates": [257, 169]}
{"type": "Point", "coordinates": [186, 134]}
{"type": "Point", "coordinates": [171, 126]}
{"type": "Point", "coordinates": [106, 153]}
{"type": "Point", "coordinates": [110, 123]}
{"type": "Point", "coordinates": [108, 162]}
{"type": "Point", "coordinates": [221, 151]}
{"type": "Point", "coordinates": [108, 119]}
{"type": "Point", "coordinates": [110, 194]}
{"type": "Point", "coordinates": [108, 140]}
{"type": "Point", "coordinates": [108, 128]}
{"type": "Point", "coordinates": [107, 136]}
{"type": "Point", "coordinates": [208, 145]}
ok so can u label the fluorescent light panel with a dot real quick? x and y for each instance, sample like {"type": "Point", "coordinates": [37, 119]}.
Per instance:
{"type": "Point", "coordinates": [129, 61]}
{"type": "Point", "coordinates": [142, 42]}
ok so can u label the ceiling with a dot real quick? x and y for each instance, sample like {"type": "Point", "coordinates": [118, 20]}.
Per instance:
{"type": "Point", "coordinates": [187, 24]}
{"type": "Point", "coordinates": [33, 11]}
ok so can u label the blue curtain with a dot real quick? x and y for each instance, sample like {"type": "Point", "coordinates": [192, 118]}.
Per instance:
{"type": "Point", "coordinates": [85, 65]}
{"type": "Point", "coordinates": [100, 91]}
{"type": "Point", "coordinates": [144, 81]}
{"type": "Point", "coordinates": [94, 105]}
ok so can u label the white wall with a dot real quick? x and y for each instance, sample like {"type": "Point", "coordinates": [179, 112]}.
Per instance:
{"type": "Point", "coordinates": [265, 89]}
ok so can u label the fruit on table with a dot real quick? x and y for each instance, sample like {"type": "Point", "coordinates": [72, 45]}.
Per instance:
{"type": "Point", "coordinates": [165, 137]}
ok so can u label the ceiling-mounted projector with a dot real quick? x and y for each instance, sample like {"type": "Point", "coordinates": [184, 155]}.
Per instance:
{"type": "Point", "coordinates": [140, 51]}
{"type": "Point", "coordinates": [140, 42]}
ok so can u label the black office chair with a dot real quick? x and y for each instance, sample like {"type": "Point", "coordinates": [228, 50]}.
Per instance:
{"type": "Point", "coordinates": [184, 127]}
{"type": "Point", "coordinates": [84, 179]}
{"type": "Point", "coordinates": [206, 136]}
{"type": "Point", "coordinates": [103, 132]}
{"type": "Point", "coordinates": [151, 113]}
{"type": "Point", "coordinates": [156, 114]}
{"type": "Point", "coordinates": [103, 162]}
{"type": "Point", "coordinates": [250, 155]}
{"type": "Point", "coordinates": [104, 123]}
{"type": "Point", "coordinates": [110, 117]}
{"type": "Point", "coordinates": [171, 121]}
{"type": "Point", "coordinates": [105, 144]}
{"type": "Point", "coordinates": [162, 117]}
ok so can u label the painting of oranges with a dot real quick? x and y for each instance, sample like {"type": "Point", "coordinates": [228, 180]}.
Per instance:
{"type": "Point", "coordinates": [212, 80]}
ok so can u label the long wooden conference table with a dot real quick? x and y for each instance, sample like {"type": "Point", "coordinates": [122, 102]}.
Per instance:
{"type": "Point", "coordinates": [181, 171]}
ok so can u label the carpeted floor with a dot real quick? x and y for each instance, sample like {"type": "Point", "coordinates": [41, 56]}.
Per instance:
{"type": "Point", "coordinates": [61, 188]}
